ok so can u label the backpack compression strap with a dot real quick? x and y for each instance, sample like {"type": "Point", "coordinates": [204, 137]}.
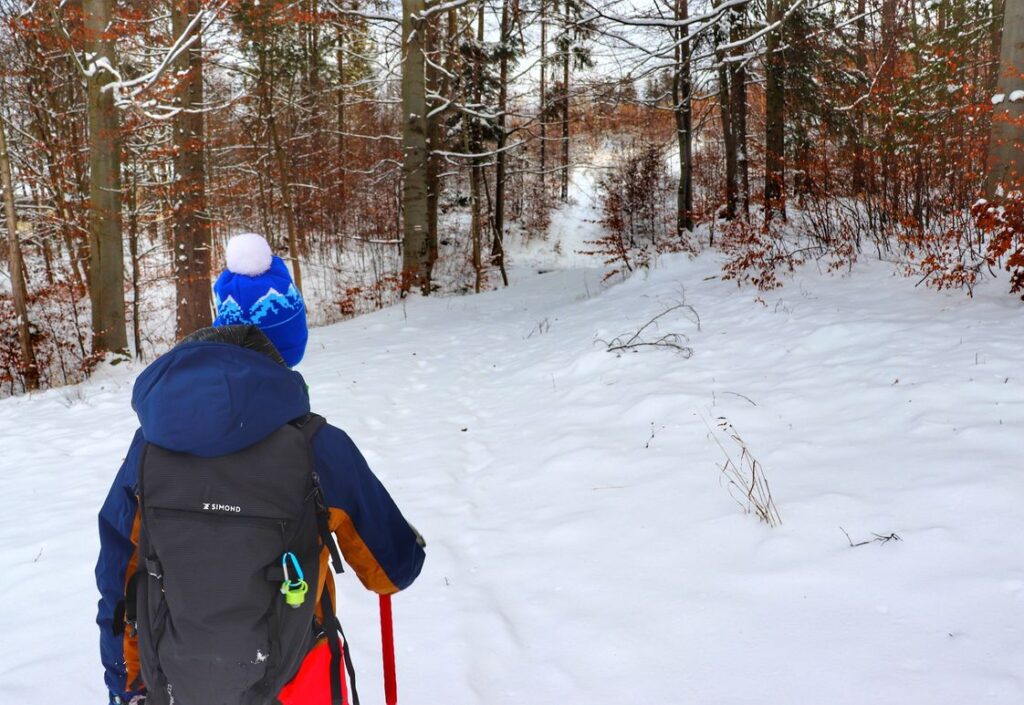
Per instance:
{"type": "Point", "coordinates": [332, 628]}
{"type": "Point", "coordinates": [309, 425]}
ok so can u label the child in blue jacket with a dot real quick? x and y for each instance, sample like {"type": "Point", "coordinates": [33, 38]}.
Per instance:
{"type": "Point", "coordinates": [223, 389]}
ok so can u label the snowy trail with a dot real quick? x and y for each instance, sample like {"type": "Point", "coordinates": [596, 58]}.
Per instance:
{"type": "Point", "coordinates": [572, 557]}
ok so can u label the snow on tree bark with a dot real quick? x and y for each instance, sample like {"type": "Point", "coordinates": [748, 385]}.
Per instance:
{"type": "Point", "coordinates": [192, 242]}
{"type": "Point", "coordinates": [415, 198]}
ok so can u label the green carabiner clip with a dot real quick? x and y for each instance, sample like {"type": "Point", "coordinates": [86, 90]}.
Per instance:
{"type": "Point", "coordinates": [294, 591]}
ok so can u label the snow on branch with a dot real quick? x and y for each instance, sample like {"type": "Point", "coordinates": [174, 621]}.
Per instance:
{"type": "Point", "coordinates": [337, 9]}
{"type": "Point", "coordinates": [762, 32]}
{"type": "Point", "coordinates": [129, 92]}
{"type": "Point", "coordinates": [443, 7]}
{"type": "Point", "coordinates": [707, 17]}
{"type": "Point", "coordinates": [476, 155]}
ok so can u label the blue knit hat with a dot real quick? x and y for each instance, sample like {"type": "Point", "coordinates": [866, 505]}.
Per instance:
{"type": "Point", "coordinates": [256, 288]}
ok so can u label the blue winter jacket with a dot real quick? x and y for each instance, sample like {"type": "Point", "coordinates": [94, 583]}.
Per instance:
{"type": "Point", "coordinates": [213, 398]}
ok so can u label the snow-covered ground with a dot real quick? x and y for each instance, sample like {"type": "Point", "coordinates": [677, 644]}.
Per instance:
{"type": "Point", "coordinates": [583, 548]}
{"type": "Point", "coordinates": [574, 227]}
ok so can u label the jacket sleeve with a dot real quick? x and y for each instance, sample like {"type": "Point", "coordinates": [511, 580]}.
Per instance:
{"type": "Point", "coordinates": [118, 526]}
{"type": "Point", "coordinates": [375, 539]}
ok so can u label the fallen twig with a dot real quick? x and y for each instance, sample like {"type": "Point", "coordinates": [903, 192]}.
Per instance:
{"type": "Point", "coordinates": [675, 341]}
{"type": "Point", "coordinates": [878, 538]}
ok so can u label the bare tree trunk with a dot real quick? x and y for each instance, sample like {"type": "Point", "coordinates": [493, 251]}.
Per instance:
{"type": "Point", "coordinates": [266, 102]}
{"type": "Point", "coordinates": [48, 262]}
{"type": "Point", "coordinates": [19, 290]}
{"type": "Point", "coordinates": [861, 59]}
{"type": "Point", "coordinates": [683, 109]}
{"type": "Point", "coordinates": [738, 108]}
{"type": "Point", "coordinates": [192, 241]}
{"type": "Point", "coordinates": [566, 63]}
{"type": "Point", "coordinates": [106, 249]}
{"type": "Point", "coordinates": [78, 180]}
{"type": "Point", "coordinates": [132, 207]}
{"type": "Point", "coordinates": [434, 137]}
{"type": "Point", "coordinates": [415, 207]}
{"type": "Point", "coordinates": [339, 207]}
{"type": "Point", "coordinates": [728, 138]}
{"type": "Point", "coordinates": [884, 82]}
{"type": "Point", "coordinates": [43, 114]}
{"type": "Point", "coordinates": [543, 92]}
{"type": "Point", "coordinates": [1006, 145]}
{"type": "Point", "coordinates": [475, 220]}
{"type": "Point", "coordinates": [473, 146]}
{"type": "Point", "coordinates": [498, 244]}
{"type": "Point", "coordinates": [775, 126]}
{"type": "Point", "coordinates": [287, 200]}
{"type": "Point", "coordinates": [996, 32]}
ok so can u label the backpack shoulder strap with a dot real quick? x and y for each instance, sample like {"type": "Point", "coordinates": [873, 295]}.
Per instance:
{"type": "Point", "coordinates": [309, 425]}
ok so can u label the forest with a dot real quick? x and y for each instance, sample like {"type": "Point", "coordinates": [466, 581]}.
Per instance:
{"type": "Point", "coordinates": [670, 351]}
{"type": "Point", "coordinates": [392, 150]}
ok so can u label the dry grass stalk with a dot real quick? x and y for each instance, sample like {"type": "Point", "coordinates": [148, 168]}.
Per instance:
{"type": "Point", "coordinates": [744, 476]}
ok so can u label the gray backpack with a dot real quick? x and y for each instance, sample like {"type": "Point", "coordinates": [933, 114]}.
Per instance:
{"type": "Point", "coordinates": [219, 539]}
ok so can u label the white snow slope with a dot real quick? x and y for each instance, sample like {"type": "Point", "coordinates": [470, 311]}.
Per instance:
{"type": "Point", "coordinates": [573, 558]}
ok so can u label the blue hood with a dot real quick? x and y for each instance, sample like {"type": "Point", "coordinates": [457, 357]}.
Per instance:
{"type": "Point", "coordinates": [214, 398]}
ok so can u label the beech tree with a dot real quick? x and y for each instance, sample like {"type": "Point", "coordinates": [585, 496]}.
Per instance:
{"type": "Point", "coordinates": [416, 263]}
{"type": "Point", "coordinates": [106, 247]}
{"type": "Point", "coordinates": [1006, 145]}
{"type": "Point", "coordinates": [192, 243]}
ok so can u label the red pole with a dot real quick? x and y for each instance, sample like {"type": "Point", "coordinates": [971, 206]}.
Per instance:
{"type": "Point", "coordinates": [387, 641]}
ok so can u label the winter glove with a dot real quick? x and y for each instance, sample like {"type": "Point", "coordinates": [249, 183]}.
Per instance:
{"type": "Point", "coordinates": [139, 699]}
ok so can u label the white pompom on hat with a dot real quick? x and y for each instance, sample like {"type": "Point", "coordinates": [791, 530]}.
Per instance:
{"type": "Point", "coordinates": [257, 289]}
{"type": "Point", "coordinates": [248, 254]}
